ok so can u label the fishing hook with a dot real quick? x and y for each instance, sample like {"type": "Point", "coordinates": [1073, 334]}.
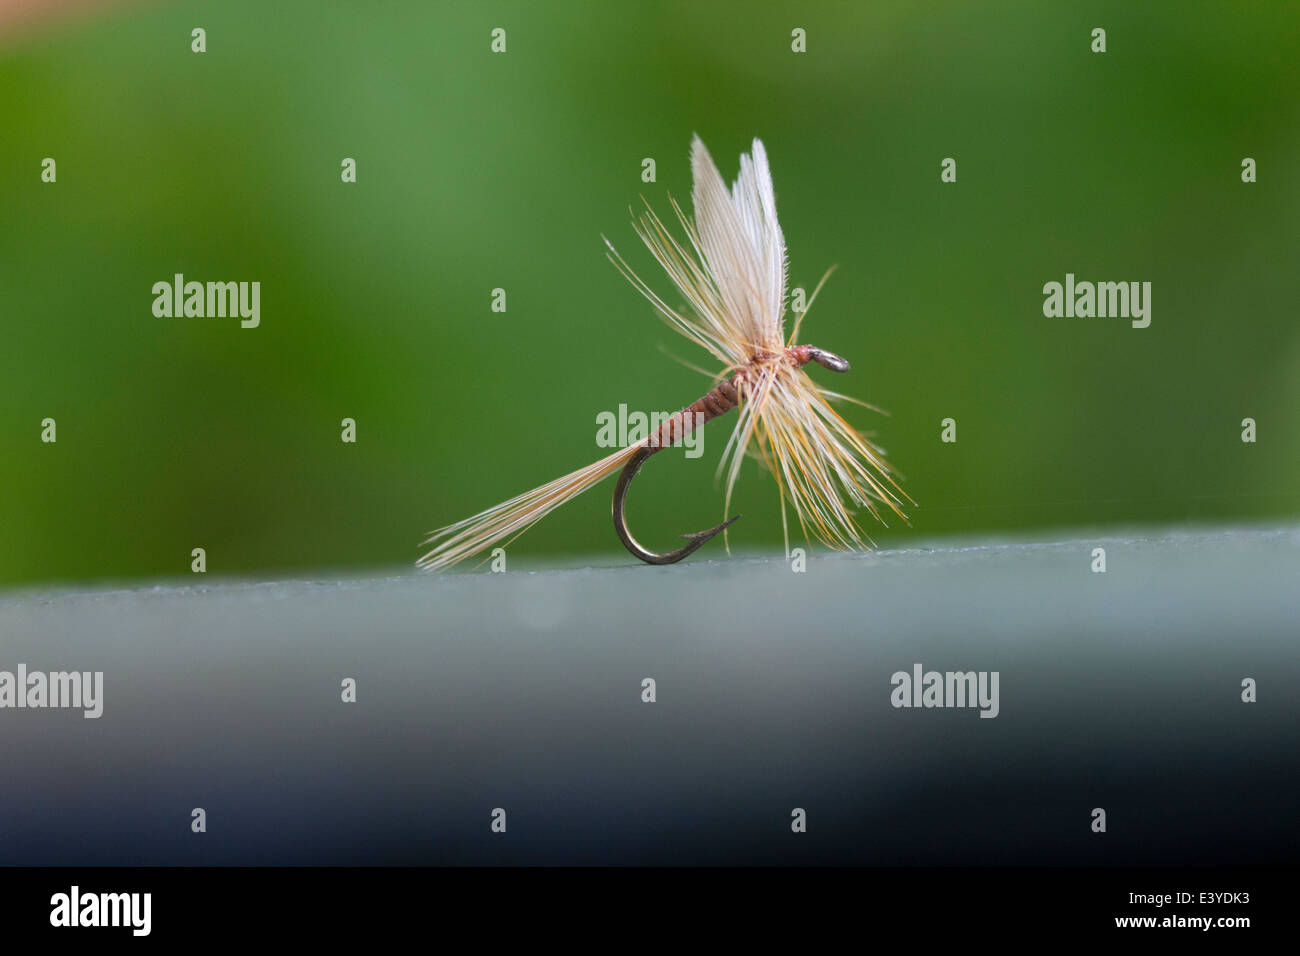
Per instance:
{"type": "Point", "coordinates": [720, 400]}
{"type": "Point", "coordinates": [620, 519]}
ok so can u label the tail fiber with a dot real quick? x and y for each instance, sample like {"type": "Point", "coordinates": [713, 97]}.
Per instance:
{"type": "Point", "coordinates": [506, 521]}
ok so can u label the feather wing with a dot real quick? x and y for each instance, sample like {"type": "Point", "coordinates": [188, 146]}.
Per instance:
{"type": "Point", "coordinates": [742, 244]}
{"type": "Point", "coordinates": [732, 267]}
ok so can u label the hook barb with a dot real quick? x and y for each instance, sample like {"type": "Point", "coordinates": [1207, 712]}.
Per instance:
{"type": "Point", "coordinates": [696, 539]}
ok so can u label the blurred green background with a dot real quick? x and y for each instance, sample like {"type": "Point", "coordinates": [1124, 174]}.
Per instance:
{"type": "Point", "coordinates": [479, 170]}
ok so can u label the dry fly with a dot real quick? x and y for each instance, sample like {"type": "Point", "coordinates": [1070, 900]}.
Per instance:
{"type": "Point", "coordinates": [732, 272]}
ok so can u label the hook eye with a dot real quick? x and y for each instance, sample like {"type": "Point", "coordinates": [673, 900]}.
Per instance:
{"type": "Point", "coordinates": [828, 359]}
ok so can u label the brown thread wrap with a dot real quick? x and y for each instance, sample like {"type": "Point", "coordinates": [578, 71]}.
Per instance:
{"type": "Point", "coordinates": [719, 400]}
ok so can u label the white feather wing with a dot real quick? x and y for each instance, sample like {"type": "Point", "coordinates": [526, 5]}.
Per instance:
{"type": "Point", "coordinates": [742, 245]}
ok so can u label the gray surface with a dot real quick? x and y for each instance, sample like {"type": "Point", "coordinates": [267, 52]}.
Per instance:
{"type": "Point", "coordinates": [522, 691]}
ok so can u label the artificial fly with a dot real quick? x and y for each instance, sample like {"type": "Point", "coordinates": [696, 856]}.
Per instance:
{"type": "Point", "coordinates": [732, 273]}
